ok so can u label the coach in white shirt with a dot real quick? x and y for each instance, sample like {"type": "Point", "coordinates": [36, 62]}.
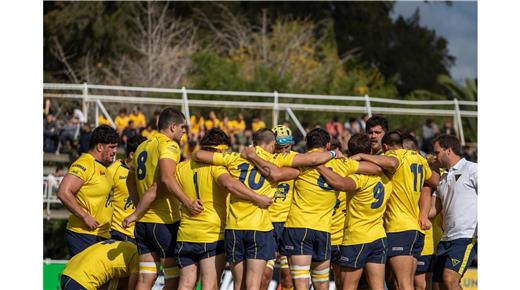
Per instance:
{"type": "Point", "coordinates": [456, 199]}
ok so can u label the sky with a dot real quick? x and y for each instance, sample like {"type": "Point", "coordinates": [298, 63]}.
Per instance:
{"type": "Point", "coordinates": [456, 23]}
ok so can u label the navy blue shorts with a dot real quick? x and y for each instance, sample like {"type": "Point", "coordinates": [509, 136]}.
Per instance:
{"type": "Point", "coordinates": [77, 242]}
{"type": "Point", "coordinates": [407, 243]}
{"type": "Point", "coordinates": [278, 233]}
{"type": "Point", "coordinates": [67, 283]}
{"type": "Point", "coordinates": [156, 238]}
{"type": "Point", "coordinates": [249, 244]}
{"type": "Point", "coordinates": [424, 264]}
{"type": "Point", "coordinates": [335, 254]}
{"type": "Point", "coordinates": [456, 255]}
{"type": "Point", "coordinates": [356, 256]}
{"type": "Point", "coordinates": [308, 242]}
{"type": "Point", "coordinates": [191, 253]}
{"type": "Point", "coordinates": [119, 236]}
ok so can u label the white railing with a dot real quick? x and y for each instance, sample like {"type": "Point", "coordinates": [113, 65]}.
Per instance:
{"type": "Point", "coordinates": [186, 99]}
{"type": "Point", "coordinates": [49, 194]}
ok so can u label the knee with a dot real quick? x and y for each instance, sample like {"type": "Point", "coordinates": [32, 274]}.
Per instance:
{"type": "Point", "coordinates": [452, 281]}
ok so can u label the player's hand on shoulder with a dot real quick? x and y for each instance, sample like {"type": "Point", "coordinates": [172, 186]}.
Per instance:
{"type": "Point", "coordinates": [248, 152]}
{"type": "Point", "coordinates": [339, 154]}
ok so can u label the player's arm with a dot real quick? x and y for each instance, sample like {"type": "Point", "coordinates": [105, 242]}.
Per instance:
{"type": "Point", "coordinates": [436, 207]}
{"type": "Point", "coordinates": [314, 158]}
{"type": "Point", "coordinates": [131, 185]}
{"type": "Point", "coordinates": [333, 179]}
{"type": "Point", "coordinates": [167, 169]}
{"type": "Point", "coordinates": [386, 162]}
{"type": "Point", "coordinates": [268, 169]}
{"type": "Point", "coordinates": [425, 204]}
{"type": "Point", "coordinates": [239, 189]}
{"type": "Point", "coordinates": [142, 206]}
{"type": "Point", "coordinates": [433, 181]}
{"type": "Point", "coordinates": [67, 191]}
{"type": "Point", "coordinates": [203, 156]}
{"type": "Point", "coordinates": [368, 168]}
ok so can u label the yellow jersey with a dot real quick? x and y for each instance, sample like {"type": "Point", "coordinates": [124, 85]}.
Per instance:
{"type": "Point", "coordinates": [199, 181]}
{"type": "Point", "coordinates": [279, 209]}
{"type": "Point", "coordinates": [94, 196]}
{"type": "Point", "coordinates": [338, 219]}
{"type": "Point", "coordinates": [121, 122]}
{"type": "Point", "coordinates": [210, 124]}
{"type": "Point", "coordinates": [255, 126]}
{"type": "Point", "coordinates": [314, 200]}
{"type": "Point", "coordinates": [243, 214]}
{"type": "Point", "coordinates": [236, 126]}
{"type": "Point", "coordinates": [139, 120]}
{"type": "Point", "coordinates": [103, 121]}
{"type": "Point", "coordinates": [123, 205]}
{"type": "Point", "coordinates": [164, 209]}
{"type": "Point", "coordinates": [149, 134]}
{"type": "Point", "coordinates": [102, 262]}
{"type": "Point", "coordinates": [402, 213]}
{"type": "Point", "coordinates": [366, 208]}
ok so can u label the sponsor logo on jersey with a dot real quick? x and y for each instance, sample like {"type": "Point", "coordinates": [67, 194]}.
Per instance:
{"type": "Point", "coordinates": [79, 166]}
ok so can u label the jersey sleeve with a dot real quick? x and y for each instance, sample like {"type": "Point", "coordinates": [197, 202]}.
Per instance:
{"type": "Point", "coordinates": [284, 159]}
{"type": "Point", "coordinates": [80, 168]}
{"type": "Point", "coordinates": [169, 150]}
{"type": "Point", "coordinates": [217, 171]}
{"type": "Point", "coordinates": [348, 166]}
{"type": "Point", "coordinates": [427, 169]}
{"type": "Point", "coordinates": [358, 179]}
{"type": "Point", "coordinates": [224, 159]}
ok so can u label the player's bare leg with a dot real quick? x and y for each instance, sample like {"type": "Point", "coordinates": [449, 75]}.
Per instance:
{"type": "Point", "coordinates": [375, 275]}
{"type": "Point", "coordinates": [189, 276]}
{"type": "Point", "coordinates": [351, 277]}
{"type": "Point", "coordinates": [419, 281]}
{"type": "Point", "coordinates": [451, 279]}
{"type": "Point", "coordinates": [148, 271]}
{"type": "Point", "coordinates": [211, 270]}
{"type": "Point", "coordinates": [300, 271]}
{"type": "Point", "coordinates": [338, 279]}
{"type": "Point", "coordinates": [239, 273]}
{"type": "Point", "coordinates": [404, 270]}
{"type": "Point", "coordinates": [171, 274]}
{"type": "Point", "coordinates": [254, 272]}
{"type": "Point", "coordinates": [286, 278]}
{"type": "Point", "coordinates": [320, 275]}
{"type": "Point", "coordinates": [268, 275]}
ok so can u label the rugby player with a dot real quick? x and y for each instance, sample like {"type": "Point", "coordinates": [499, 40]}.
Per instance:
{"type": "Point", "coordinates": [123, 205]}
{"type": "Point", "coordinates": [153, 170]}
{"type": "Point", "coordinates": [200, 240]}
{"type": "Point", "coordinates": [408, 171]}
{"type": "Point", "coordinates": [364, 239]}
{"type": "Point", "coordinates": [107, 263]}
{"type": "Point", "coordinates": [87, 192]}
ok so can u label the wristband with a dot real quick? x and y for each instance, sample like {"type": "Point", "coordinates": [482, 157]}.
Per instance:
{"type": "Point", "coordinates": [332, 154]}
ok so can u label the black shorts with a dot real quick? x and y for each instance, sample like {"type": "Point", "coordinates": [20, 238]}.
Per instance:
{"type": "Point", "coordinates": [67, 283]}
{"type": "Point", "coordinates": [356, 256]}
{"type": "Point", "coordinates": [307, 242]}
{"type": "Point", "coordinates": [249, 244]}
{"type": "Point", "coordinates": [335, 254]}
{"type": "Point", "coordinates": [407, 243]}
{"type": "Point", "coordinates": [425, 264]}
{"type": "Point", "coordinates": [156, 238]}
{"type": "Point", "coordinates": [77, 242]}
{"type": "Point", "coordinates": [278, 233]}
{"type": "Point", "coordinates": [191, 253]}
{"type": "Point", "coordinates": [456, 255]}
{"type": "Point", "coordinates": [119, 236]}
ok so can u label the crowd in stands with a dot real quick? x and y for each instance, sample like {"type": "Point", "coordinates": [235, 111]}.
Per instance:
{"type": "Point", "coordinates": [71, 135]}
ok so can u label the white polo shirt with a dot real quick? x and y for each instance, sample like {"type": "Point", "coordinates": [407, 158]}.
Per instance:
{"type": "Point", "coordinates": [457, 192]}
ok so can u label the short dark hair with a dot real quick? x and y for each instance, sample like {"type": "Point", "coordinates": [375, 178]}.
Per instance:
{"type": "Point", "coordinates": [133, 143]}
{"type": "Point", "coordinates": [335, 144]}
{"type": "Point", "coordinates": [410, 138]}
{"type": "Point", "coordinates": [449, 141]}
{"type": "Point", "coordinates": [392, 139]}
{"type": "Point", "coordinates": [103, 134]}
{"type": "Point", "coordinates": [214, 137]}
{"type": "Point", "coordinates": [263, 136]}
{"type": "Point", "coordinates": [359, 143]}
{"type": "Point", "coordinates": [170, 116]}
{"type": "Point", "coordinates": [375, 121]}
{"type": "Point", "coordinates": [317, 138]}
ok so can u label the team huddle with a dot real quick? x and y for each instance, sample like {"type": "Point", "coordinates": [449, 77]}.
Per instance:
{"type": "Point", "coordinates": [381, 217]}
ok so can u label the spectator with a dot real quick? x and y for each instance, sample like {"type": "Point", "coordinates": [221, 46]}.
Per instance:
{"type": "Point", "coordinates": [84, 138]}
{"type": "Point", "coordinates": [469, 153]}
{"type": "Point", "coordinates": [257, 124]}
{"type": "Point", "coordinates": [121, 121]}
{"type": "Point", "coordinates": [149, 131]}
{"type": "Point", "coordinates": [363, 121]}
{"type": "Point", "coordinates": [196, 126]}
{"type": "Point", "coordinates": [50, 134]}
{"type": "Point", "coordinates": [334, 127]}
{"type": "Point", "coordinates": [80, 116]}
{"type": "Point", "coordinates": [69, 134]}
{"type": "Point", "coordinates": [353, 126]}
{"type": "Point", "coordinates": [54, 179]}
{"type": "Point", "coordinates": [212, 121]}
{"type": "Point", "coordinates": [138, 118]}
{"type": "Point", "coordinates": [154, 121]}
{"type": "Point", "coordinates": [129, 132]}
{"type": "Point", "coordinates": [429, 131]}
{"type": "Point", "coordinates": [102, 120]}
{"type": "Point", "coordinates": [448, 129]}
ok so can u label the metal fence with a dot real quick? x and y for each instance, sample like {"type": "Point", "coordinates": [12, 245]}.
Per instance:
{"type": "Point", "coordinates": [275, 101]}
{"type": "Point", "coordinates": [49, 194]}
